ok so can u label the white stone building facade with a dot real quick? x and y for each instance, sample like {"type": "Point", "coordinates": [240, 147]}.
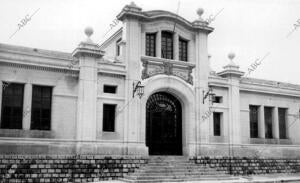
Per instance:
{"type": "Point", "coordinates": [147, 90]}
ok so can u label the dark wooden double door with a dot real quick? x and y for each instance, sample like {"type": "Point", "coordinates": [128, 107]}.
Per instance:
{"type": "Point", "coordinates": [164, 125]}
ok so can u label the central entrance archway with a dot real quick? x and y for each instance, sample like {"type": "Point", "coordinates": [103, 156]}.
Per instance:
{"type": "Point", "coordinates": [164, 124]}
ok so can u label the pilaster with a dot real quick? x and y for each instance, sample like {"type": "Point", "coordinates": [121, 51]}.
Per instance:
{"type": "Point", "coordinates": [158, 44]}
{"type": "Point", "coordinates": [275, 124]}
{"type": "Point", "coordinates": [88, 54]}
{"type": "Point", "coordinates": [1, 90]}
{"type": "Point", "coordinates": [176, 46]}
{"type": "Point", "coordinates": [201, 85]}
{"type": "Point", "coordinates": [233, 74]}
{"type": "Point", "coordinates": [261, 122]}
{"type": "Point", "coordinates": [27, 103]}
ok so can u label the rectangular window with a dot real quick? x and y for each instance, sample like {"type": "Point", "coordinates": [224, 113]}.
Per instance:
{"type": "Point", "coordinates": [254, 121]}
{"type": "Point", "coordinates": [109, 89]}
{"type": "Point", "coordinates": [118, 47]}
{"type": "Point", "coordinates": [167, 45]}
{"type": "Point", "coordinates": [12, 106]}
{"type": "Point", "coordinates": [183, 49]}
{"type": "Point", "coordinates": [217, 123]}
{"type": "Point", "coordinates": [217, 99]}
{"type": "Point", "coordinates": [282, 123]}
{"type": "Point", "coordinates": [151, 44]}
{"type": "Point", "coordinates": [109, 117]}
{"type": "Point", "coordinates": [268, 122]}
{"type": "Point", "coordinates": [41, 108]}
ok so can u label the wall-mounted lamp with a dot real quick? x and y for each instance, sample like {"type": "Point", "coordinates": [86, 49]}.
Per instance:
{"type": "Point", "coordinates": [209, 94]}
{"type": "Point", "coordinates": [138, 88]}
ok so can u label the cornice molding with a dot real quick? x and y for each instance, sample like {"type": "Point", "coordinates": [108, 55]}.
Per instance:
{"type": "Point", "coordinates": [268, 91]}
{"type": "Point", "coordinates": [34, 52]}
{"type": "Point", "coordinates": [161, 14]}
{"type": "Point", "coordinates": [60, 69]}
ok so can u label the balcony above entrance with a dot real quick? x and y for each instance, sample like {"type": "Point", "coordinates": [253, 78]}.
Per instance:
{"type": "Point", "coordinates": [153, 66]}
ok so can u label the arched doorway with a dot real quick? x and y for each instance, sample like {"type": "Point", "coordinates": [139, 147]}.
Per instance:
{"type": "Point", "coordinates": [163, 124]}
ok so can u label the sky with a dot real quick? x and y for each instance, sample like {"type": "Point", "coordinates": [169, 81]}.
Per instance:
{"type": "Point", "coordinates": [252, 29]}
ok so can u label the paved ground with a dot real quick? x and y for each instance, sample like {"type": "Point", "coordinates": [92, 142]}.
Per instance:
{"type": "Point", "coordinates": [255, 178]}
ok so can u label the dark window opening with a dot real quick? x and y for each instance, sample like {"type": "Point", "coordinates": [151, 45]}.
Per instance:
{"type": "Point", "coordinates": [12, 106]}
{"type": "Point", "coordinates": [167, 45]}
{"type": "Point", "coordinates": [41, 108]}
{"type": "Point", "coordinates": [217, 99]}
{"type": "Point", "coordinates": [254, 121]}
{"type": "Point", "coordinates": [109, 89]}
{"type": "Point", "coordinates": [268, 122]}
{"type": "Point", "coordinates": [109, 117]}
{"type": "Point", "coordinates": [118, 47]}
{"type": "Point", "coordinates": [183, 50]}
{"type": "Point", "coordinates": [282, 123]}
{"type": "Point", "coordinates": [151, 44]}
{"type": "Point", "coordinates": [217, 123]}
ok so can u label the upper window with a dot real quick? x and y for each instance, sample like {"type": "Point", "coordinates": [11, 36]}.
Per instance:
{"type": "Point", "coordinates": [166, 45]}
{"type": "Point", "coordinates": [150, 44]}
{"type": "Point", "coordinates": [253, 121]}
{"type": "Point", "coordinates": [109, 89]}
{"type": "Point", "coordinates": [118, 47]}
{"type": "Point", "coordinates": [183, 49]}
{"type": "Point", "coordinates": [12, 106]}
{"type": "Point", "coordinates": [282, 123]}
{"type": "Point", "coordinates": [41, 108]}
{"type": "Point", "coordinates": [109, 117]}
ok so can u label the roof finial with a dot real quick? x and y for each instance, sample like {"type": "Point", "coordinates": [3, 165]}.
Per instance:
{"type": "Point", "coordinates": [88, 32]}
{"type": "Point", "coordinates": [133, 4]}
{"type": "Point", "coordinates": [231, 55]}
{"type": "Point", "coordinates": [231, 69]}
{"type": "Point", "coordinates": [200, 12]}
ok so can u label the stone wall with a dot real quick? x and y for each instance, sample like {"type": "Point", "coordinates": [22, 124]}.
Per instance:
{"type": "Point", "coordinates": [58, 168]}
{"type": "Point", "coordinates": [250, 165]}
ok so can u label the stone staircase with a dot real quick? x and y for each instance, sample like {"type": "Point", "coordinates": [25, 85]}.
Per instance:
{"type": "Point", "coordinates": [174, 169]}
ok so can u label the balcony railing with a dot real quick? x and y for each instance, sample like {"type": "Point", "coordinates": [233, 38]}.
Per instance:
{"type": "Point", "coordinates": [154, 66]}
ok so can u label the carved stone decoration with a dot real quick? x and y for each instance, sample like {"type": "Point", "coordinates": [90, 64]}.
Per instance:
{"type": "Point", "coordinates": [168, 67]}
{"type": "Point", "coordinates": [144, 72]}
{"type": "Point", "coordinates": [153, 66]}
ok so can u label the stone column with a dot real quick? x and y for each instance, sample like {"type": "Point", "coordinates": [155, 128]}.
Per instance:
{"type": "Point", "coordinates": [176, 46]}
{"type": "Point", "coordinates": [234, 111]}
{"type": "Point", "coordinates": [275, 125]}
{"type": "Point", "coordinates": [158, 44]}
{"type": "Point", "coordinates": [261, 122]}
{"type": "Point", "coordinates": [88, 54]}
{"type": "Point", "coordinates": [201, 85]}
{"type": "Point", "coordinates": [233, 74]}
{"type": "Point", "coordinates": [1, 91]}
{"type": "Point", "coordinates": [27, 106]}
{"type": "Point", "coordinates": [133, 64]}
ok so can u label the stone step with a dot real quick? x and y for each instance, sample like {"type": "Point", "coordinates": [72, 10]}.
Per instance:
{"type": "Point", "coordinates": [177, 170]}
{"type": "Point", "coordinates": [171, 175]}
{"type": "Point", "coordinates": [170, 163]}
{"type": "Point", "coordinates": [164, 179]}
{"type": "Point", "coordinates": [173, 166]}
{"type": "Point", "coordinates": [175, 174]}
{"type": "Point", "coordinates": [168, 158]}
